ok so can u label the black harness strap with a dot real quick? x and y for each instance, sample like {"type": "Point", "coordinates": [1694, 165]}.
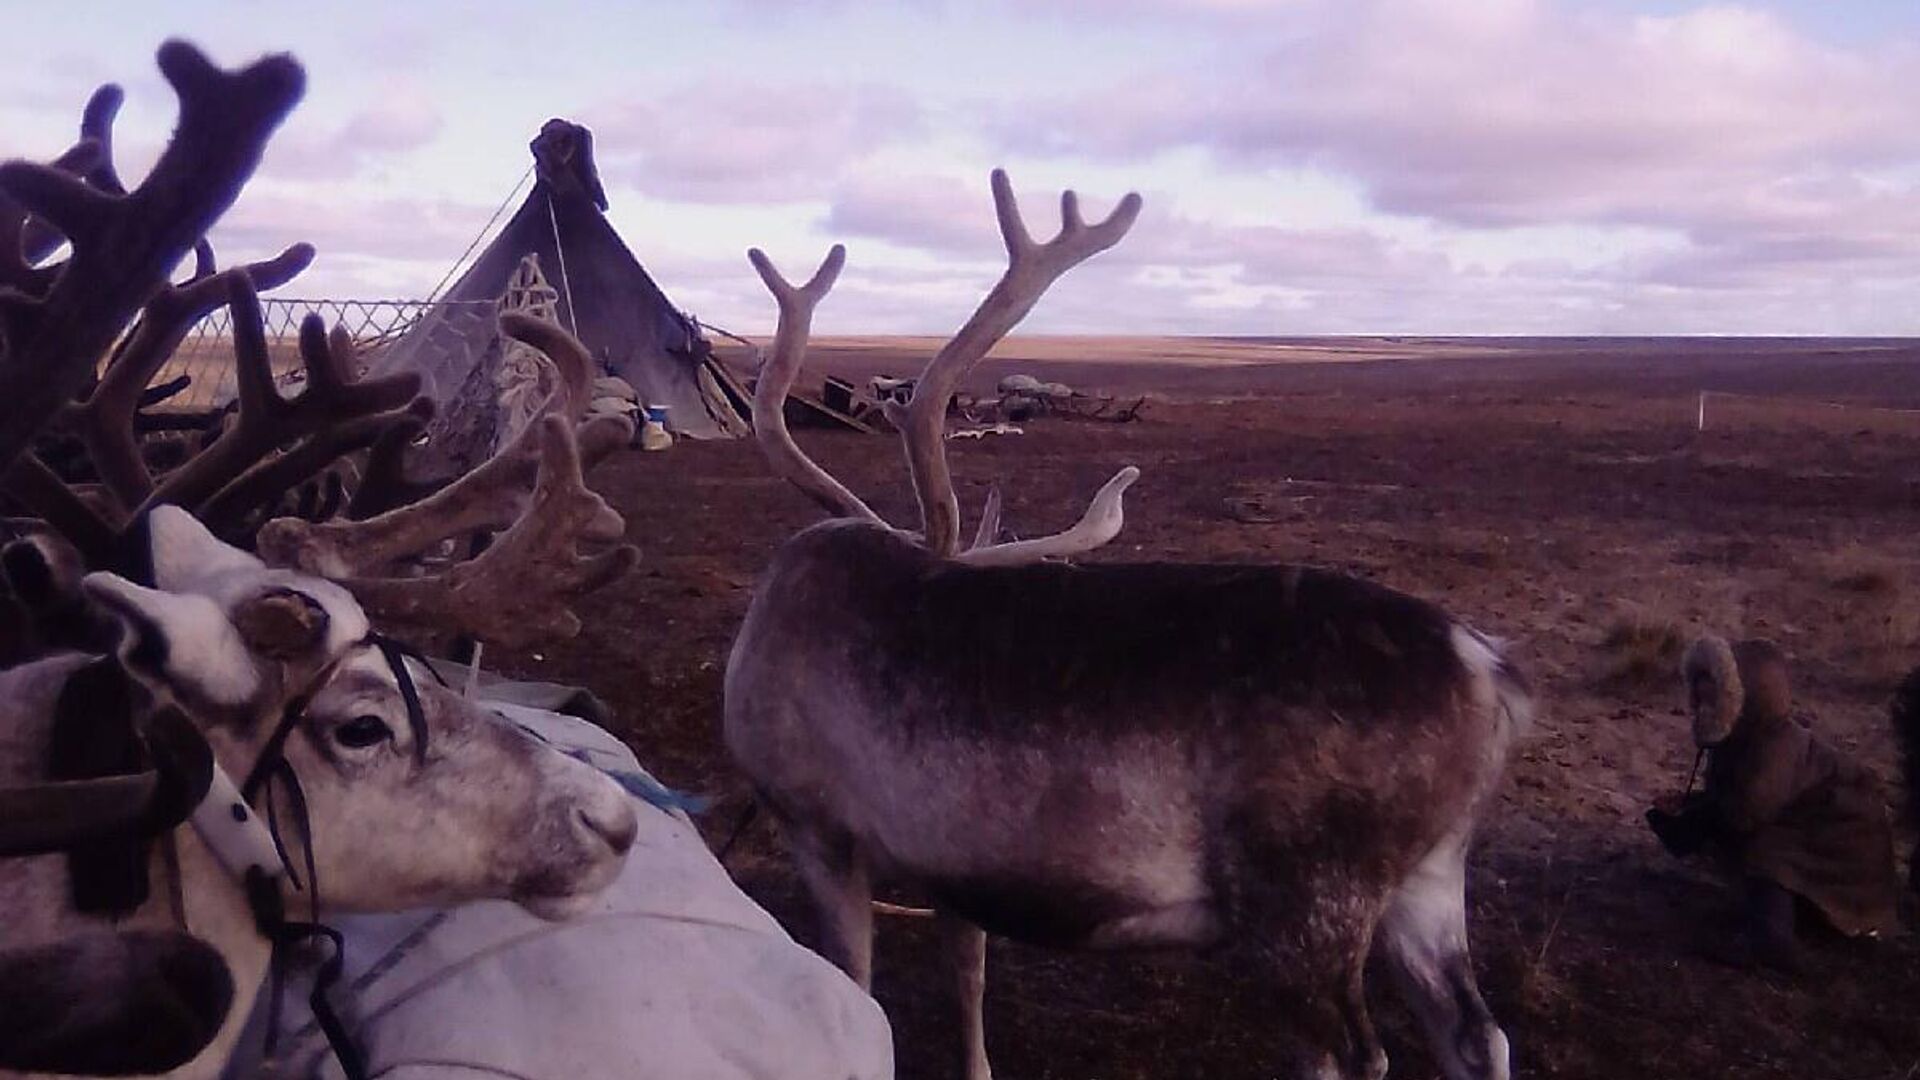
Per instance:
{"type": "Point", "coordinates": [274, 752]}
{"type": "Point", "coordinates": [740, 824]}
{"type": "Point", "coordinates": [397, 655]}
{"type": "Point", "coordinates": [93, 736]}
{"type": "Point", "coordinates": [272, 771]}
{"type": "Point", "coordinates": [269, 911]}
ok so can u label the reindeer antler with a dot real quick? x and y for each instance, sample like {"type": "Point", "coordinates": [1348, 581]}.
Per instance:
{"type": "Point", "coordinates": [514, 593]}
{"type": "Point", "coordinates": [124, 246]}
{"type": "Point", "coordinates": [492, 496]}
{"type": "Point", "coordinates": [267, 420]}
{"type": "Point", "coordinates": [1031, 269]}
{"type": "Point", "coordinates": [266, 483]}
{"type": "Point", "coordinates": [56, 322]}
{"type": "Point", "coordinates": [106, 420]}
{"type": "Point", "coordinates": [25, 240]}
{"type": "Point", "coordinates": [568, 355]}
{"type": "Point", "coordinates": [987, 534]}
{"type": "Point", "coordinates": [518, 589]}
{"type": "Point", "coordinates": [1095, 528]}
{"type": "Point", "coordinates": [776, 380]}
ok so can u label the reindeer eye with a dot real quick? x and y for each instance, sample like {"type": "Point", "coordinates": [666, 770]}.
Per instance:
{"type": "Point", "coordinates": [362, 732]}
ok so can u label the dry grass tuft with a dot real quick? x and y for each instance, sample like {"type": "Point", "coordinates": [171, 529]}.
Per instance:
{"type": "Point", "coordinates": [1870, 580]}
{"type": "Point", "coordinates": [1856, 571]}
{"type": "Point", "coordinates": [1642, 649]}
{"type": "Point", "coordinates": [1877, 615]}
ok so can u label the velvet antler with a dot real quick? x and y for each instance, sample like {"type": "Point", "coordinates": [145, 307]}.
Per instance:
{"type": "Point", "coordinates": [125, 245]}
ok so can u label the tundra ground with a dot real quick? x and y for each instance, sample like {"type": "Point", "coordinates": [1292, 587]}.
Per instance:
{"type": "Point", "coordinates": [1555, 493]}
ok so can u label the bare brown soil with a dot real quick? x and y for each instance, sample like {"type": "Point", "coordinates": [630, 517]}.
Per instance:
{"type": "Point", "coordinates": [1555, 493]}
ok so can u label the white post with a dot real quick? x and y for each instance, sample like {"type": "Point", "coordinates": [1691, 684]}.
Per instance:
{"type": "Point", "coordinates": [1701, 423]}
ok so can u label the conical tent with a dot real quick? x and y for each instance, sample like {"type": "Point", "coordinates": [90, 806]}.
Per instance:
{"type": "Point", "coordinates": [604, 297]}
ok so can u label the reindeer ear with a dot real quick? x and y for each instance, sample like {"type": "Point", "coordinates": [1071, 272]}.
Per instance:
{"type": "Point", "coordinates": [42, 569]}
{"type": "Point", "coordinates": [186, 556]}
{"type": "Point", "coordinates": [183, 642]}
{"type": "Point", "coordinates": [283, 624]}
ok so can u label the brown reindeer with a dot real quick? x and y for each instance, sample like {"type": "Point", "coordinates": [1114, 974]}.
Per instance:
{"type": "Point", "coordinates": [1278, 759]}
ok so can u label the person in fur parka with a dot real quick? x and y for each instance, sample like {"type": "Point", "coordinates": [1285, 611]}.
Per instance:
{"type": "Point", "coordinates": [1795, 820]}
{"type": "Point", "coordinates": [1905, 715]}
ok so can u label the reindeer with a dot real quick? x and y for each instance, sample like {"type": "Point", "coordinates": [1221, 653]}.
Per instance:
{"type": "Point", "coordinates": [1278, 759]}
{"type": "Point", "coordinates": [380, 789]}
{"type": "Point", "coordinates": [119, 1002]}
{"type": "Point", "coordinates": [412, 796]}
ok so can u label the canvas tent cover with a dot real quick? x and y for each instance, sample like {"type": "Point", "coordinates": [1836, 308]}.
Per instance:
{"type": "Point", "coordinates": [605, 297]}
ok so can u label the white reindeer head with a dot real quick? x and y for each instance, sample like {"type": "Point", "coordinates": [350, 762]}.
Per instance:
{"type": "Point", "coordinates": [433, 805]}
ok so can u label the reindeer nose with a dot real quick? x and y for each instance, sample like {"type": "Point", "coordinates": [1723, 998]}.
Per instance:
{"type": "Point", "coordinates": [615, 824]}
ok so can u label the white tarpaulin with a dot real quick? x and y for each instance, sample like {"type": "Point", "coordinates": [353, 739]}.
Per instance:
{"type": "Point", "coordinates": [673, 975]}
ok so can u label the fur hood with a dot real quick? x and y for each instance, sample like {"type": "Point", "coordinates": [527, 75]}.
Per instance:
{"type": "Point", "coordinates": [1726, 682]}
{"type": "Point", "coordinates": [1714, 693]}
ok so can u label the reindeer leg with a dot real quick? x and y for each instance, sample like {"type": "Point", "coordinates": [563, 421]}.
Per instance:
{"type": "Point", "coordinates": [1357, 1053]}
{"type": "Point", "coordinates": [1328, 1009]}
{"type": "Point", "coordinates": [836, 876]}
{"type": "Point", "coordinates": [1425, 938]}
{"type": "Point", "coordinates": [966, 949]}
{"type": "Point", "coordinates": [1314, 942]}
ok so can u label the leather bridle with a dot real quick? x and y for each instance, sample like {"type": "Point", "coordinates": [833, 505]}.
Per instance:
{"type": "Point", "coordinates": [228, 821]}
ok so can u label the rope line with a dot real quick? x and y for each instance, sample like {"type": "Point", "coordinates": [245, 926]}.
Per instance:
{"type": "Point", "coordinates": [725, 333]}
{"type": "Point", "coordinates": [566, 283]}
{"type": "Point", "coordinates": [482, 235]}
{"type": "Point", "coordinates": [206, 356]}
{"type": "Point", "coordinates": [756, 355]}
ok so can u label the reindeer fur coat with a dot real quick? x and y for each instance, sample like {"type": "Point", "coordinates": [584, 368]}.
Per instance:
{"type": "Point", "coordinates": [1798, 812]}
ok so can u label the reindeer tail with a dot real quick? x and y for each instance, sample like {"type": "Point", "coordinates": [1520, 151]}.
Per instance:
{"type": "Point", "coordinates": [1486, 655]}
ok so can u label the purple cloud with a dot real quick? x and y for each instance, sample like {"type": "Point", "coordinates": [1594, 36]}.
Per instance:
{"type": "Point", "coordinates": [399, 118]}
{"type": "Point", "coordinates": [945, 216]}
{"type": "Point", "coordinates": [1513, 113]}
{"type": "Point", "coordinates": [930, 213]}
{"type": "Point", "coordinates": [264, 222]}
{"type": "Point", "coordinates": [725, 141]}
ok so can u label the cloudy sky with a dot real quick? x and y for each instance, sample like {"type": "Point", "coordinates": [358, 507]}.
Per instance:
{"type": "Point", "coordinates": [1309, 166]}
